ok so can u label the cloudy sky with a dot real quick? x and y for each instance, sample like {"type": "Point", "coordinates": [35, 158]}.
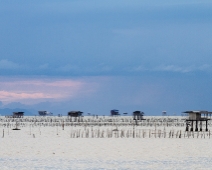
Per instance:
{"type": "Point", "coordinates": [96, 55]}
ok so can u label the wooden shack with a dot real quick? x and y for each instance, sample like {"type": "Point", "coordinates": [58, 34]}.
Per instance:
{"type": "Point", "coordinates": [75, 113]}
{"type": "Point", "coordinates": [197, 117]}
{"type": "Point", "coordinates": [18, 114]}
{"type": "Point", "coordinates": [114, 112]}
{"type": "Point", "coordinates": [138, 115]}
{"type": "Point", "coordinates": [44, 113]}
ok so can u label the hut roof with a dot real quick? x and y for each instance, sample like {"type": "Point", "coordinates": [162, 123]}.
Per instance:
{"type": "Point", "coordinates": [115, 110]}
{"type": "Point", "coordinates": [198, 111]}
{"type": "Point", "coordinates": [18, 112]}
{"type": "Point", "coordinates": [75, 112]}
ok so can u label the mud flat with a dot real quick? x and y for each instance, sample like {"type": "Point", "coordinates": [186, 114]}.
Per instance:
{"type": "Point", "coordinates": [62, 144]}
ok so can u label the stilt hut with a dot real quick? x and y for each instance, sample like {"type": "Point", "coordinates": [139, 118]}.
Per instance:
{"type": "Point", "coordinates": [114, 112]}
{"type": "Point", "coordinates": [18, 114]}
{"type": "Point", "coordinates": [197, 117]}
{"type": "Point", "coordinates": [138, 115]}
{"type": "Point", "coordinates": [44, 113]}
{"type": "Point", "coordinates": [75, 113]}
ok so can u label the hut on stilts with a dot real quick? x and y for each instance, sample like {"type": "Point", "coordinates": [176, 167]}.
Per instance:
{"type": "Point", "coordinates": [138, 116]}
{"type": "Point", "coordinates": [197, 118]}
{"type": "Point", "coordinates": [75, 113]}
{"type": "Point", "coordinates": [18, 114]}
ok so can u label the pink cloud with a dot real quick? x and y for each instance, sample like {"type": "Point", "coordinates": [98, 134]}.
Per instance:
{"type": "Point", "coordinates": [16, 95]}
{"type": "Point", "coordinates": [37, 90]}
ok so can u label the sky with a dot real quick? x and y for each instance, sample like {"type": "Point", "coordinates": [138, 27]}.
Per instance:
{"type": "Point", "coordinates": [95, 55]}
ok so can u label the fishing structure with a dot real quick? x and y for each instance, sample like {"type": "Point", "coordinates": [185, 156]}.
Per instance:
{"type": "Point", "coordinates": [197, 118]}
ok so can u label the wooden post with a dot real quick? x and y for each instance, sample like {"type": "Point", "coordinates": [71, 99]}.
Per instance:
{"type": "Point", "coordinates": [63, 125]}
{"type": "Point", "coordinates": [206, 125]}
{"type": "Point", "coordinates": [192, 122]}
{"type": "Point", "coordinates": [196, 129]}
{"type": "Point", "coordinates": [164, 133]}
{"type": "Point", "coordinates": [186, 125]}
{"type": "Point", "coordinates": [200, 125]}
{"type": "Point", "coordinates": [133, 131]}
{"type": "Point", "coordinates": [177, 134]}
{"type": "Point", "coordinates": [57, 129]}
